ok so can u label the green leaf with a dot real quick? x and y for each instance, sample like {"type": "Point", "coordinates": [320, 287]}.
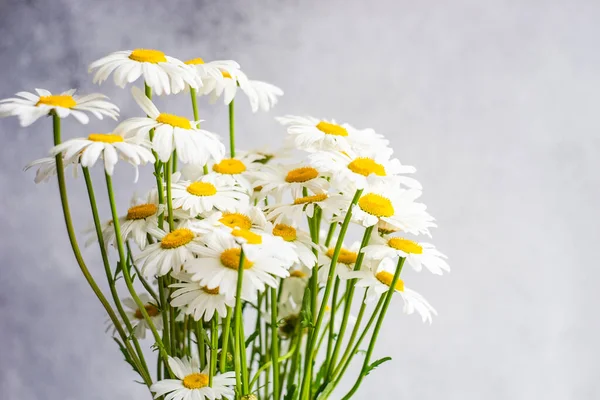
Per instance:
{"type": "Point", "coordinates": [251, 338]}
{"type": "Point", "coordinates": [376, 364]}
{"type": "Point", "coordinates": [126, 354]}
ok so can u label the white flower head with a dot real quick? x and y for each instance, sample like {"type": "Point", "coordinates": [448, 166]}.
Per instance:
{"type": "Point", "coordinates": [197, 300]}
{"type": "Point", "coordinates": [210, 74]}
{"type": "Point", "coordinates": [345, 263]}
{"type": "Point", "coordinates": [301, 241]}
{"type": "Point", "coordinates": [305, 206]}
{"type": "Point", "coordinates": [240, 169]}
{"type": "Point", "coordinates": [135, 316]}
{"type": "Point", "coordinates": [29, 107]}
{"type": "Point", "coordinates": [46, 167]}
{"type": "Point", "coordinates": [279, 180]}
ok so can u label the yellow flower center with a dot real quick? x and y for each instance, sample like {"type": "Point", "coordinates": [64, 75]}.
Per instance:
{"type": "Point", "coordinates": [332, 129]}
{"type": "Point", "coordinates": [141, 211]}
{"type": "Point", "coordinates": [297, 274]}
{"type": "Point", "coordinates": [230, 258]}
{"type": "Point", "coordinates": [195, 381]}
{"type": "Point", "coordinates": [405, 245]}
{"type": "Point", "coordinates": [177, 238]}
{"type": "Point", "coordinates": [201, 189]}
{"type": "Point", "coordinates": [214, 291]}
{"type": "Point", "coordinates": [62, 100]}
{"type": "Point", "coordinates": [288, 233]}
{"type": "Point", "coordinates": [195, 61]}
{"type": "Point", "coordinates": [229, 166]}
{"type": "Point", "coordinates": [376, 205]}
{"type": "Point", "coordinates": [148, 55]}
{"type": "Point", "coordinates": [151, 309]}
{"type": "Point", "coordinates": [174, 120]}
{"type": "Point", "coordinates": [251, 237]}
{"type": "Point", "coordinates": [366, 166]}
{"type": "Point", "coordinates": [346, 256]}
{"type": "Point", "coordinates": [108, 138]}
{"type": "Point", "coordinates": [226, 74]}
{"type": "Point", "coordinates": [310, 199]}
{"type": "Point", "coordinates": [386, 278]}
{"type": "Point", "coordinates": [234, 220]}
{"type": "Point", "coordinates": [302, 174]}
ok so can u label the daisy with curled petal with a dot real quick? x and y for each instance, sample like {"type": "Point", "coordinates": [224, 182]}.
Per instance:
{"type": "Point", "coordinates": [345, 263]}
{"type": "Point", "coordinates": [209, 193]}
{"type": "Point", "coordinates": [162, 73]}
{"type": "Point", "coordinates": [192, 384]}
{"type": "Point", "coordinates": [301, 241]}
{"type": "Point", "coordinates": [29, 107]}
{"type": "Point", "coordinates": [172, 132]}
{"type": "Point", "coordinates": [197, 300]}
{"type": "Point", "coordinates": [209, 73]}
{"type": "Point", "coordinates": [311, 134]}
{"type": "Point", "coordinates": [169, 253]}
{"type": "Point", "coordinates": [240, 169]}
{"type": "Point", "coordinates": [329, 203]}
{"type": "Point", "coordinates": [109, 147]}
{"type": "Point", "coordinates": [378, 281]}
{"type": "Point", "coordinates": [135, 316]}
{"type": "Point", "coordinates": [46, 167]}
{"type": "Point", "coordinates": [395, 206]}
{"type": "Point", "coordinates": [277, 180]}
{"type": "Point", "coordinates": [416, 254]}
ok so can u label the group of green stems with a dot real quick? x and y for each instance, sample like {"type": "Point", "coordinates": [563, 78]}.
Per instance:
{"type": "Point", "coordinates": [294, 370]}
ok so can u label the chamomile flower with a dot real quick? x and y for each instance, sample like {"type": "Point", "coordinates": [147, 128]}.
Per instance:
{"type": "Point", "coordinates": [192, 384]}
{"type": "Point", "coordinates": [162, 73]}
{"type": "Point", "coordinates": [292, 288]}
{"type": "Point", "coordinates": [109, 147]}
{"type": "Point", "coordinates": [396, 207]}
{"type": "Point", "coordinates": [46, 167]}
{"type": "Point", "coordinates": [345, 262]}
{"type": "Point", "coordinates": [416, 254]}
{"type": "Point", "coordinates": [363, 166]}
{"type": "Point", "coordinates": [135, 316]}
{"type": "Point", "coordinates": [209, 193]}
{"type": "Point", "coordinates": [301, 241]}
{"type": "Point", "coordinates": [242, 215]}
{"type": "Point", "coordinates": [29, 107]}
{"type": "Point", "coordinates": [218, 263]}
{"type": "Point", "coordinates": [198, 300]}
{"type": "Point", "coordinates": [209, 73]}
{"type": "Point", "coordinates": [311, 134]}
{"type": "Point", "coordinates": [169, 253]}
{"type": "Point", "coordinates": [278, 180]}
{"type": "Point", "coordinates": [240, 169]}
{"type": "Point", "coordinates": [306, 205]}
{"type": "Point", "coordinates": [172, 132]}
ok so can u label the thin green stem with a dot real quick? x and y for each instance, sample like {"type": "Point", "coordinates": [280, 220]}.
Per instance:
{"type": "Point", "coordinates": [214, 336]}
{"type": "Point", "coordinates": [169, 197]}
{"type": "Point", "coordinates": [225, 345]}
{"type": "Point", "coordinates": [231, 129]}
{"type": "Point", "coordinates": [268, 364]}
{"type": "Point", "coordinates": [238, 321]}
{"type": "Point", "coordinates": [140, 276]}
{"type": "Point", "coordinates": [274, 344]}
{"type": "Point", "coordinates": [164, 311]}
{"type": "Point", "coordinates": [199, 328]}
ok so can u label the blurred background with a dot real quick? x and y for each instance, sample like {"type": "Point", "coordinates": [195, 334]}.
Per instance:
{"type": "Point", "coordinates": [495, 103]}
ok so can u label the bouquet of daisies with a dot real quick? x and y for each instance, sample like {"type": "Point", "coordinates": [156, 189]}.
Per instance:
{"type": "Point", "coordinates": [238, 265]}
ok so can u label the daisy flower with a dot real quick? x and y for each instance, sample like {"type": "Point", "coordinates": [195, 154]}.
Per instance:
{"type": "Point", "coordinates": [139, 324]}
{"type": "Point", "coordinates": [345, 262]}
{"type": "Point", "coordinates": [46, 167]}
{"type": "Point", "coordinates": [378, 281]}
{"type": "Point", "coordinates": [192, 384]}
{"type": "Point", "coordinates": [240, 169]}
{"type": "Point", "coordinates": [292, 287]}
{"type": "Point", "coordinates": [172, 132]}
{"type": "Point", "coordinates": [208, 193]}
{"type": "Point", "coordinates": [277, 180]}
{"type": "Point", "coordinates": [169, 253]}
{"type": "Point", "coordinates": [29, 107]}
{"type": "Point", "coordinates": [213, 71]}
{"type": "Point", "coordinates": [330, 204]}
{"type": "Point", "coordinates": [197, 300]}
{"type": "Point", "coordinates": [416, 254]}
{"type": "Point", "coordinates": [241, 215]}
{"type": "Point", "coordinates": [396, 207]}
{"type": "Point", "coordinates": [162, 73]}
{"type": "Point", "coordinates": [301, 241]}
{"type": "Point", "coordinates": [311, 134]}
{"type": "Point", "coordinates": [109, 147]}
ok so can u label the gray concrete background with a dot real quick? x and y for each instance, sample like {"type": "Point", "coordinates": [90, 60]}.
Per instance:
{"type": "Point", "coordinates": [495, 102]}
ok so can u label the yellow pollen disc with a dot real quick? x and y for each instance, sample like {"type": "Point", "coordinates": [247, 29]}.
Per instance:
{"type": "Point", "coordinates": [376, 205]}
{"type": "Point", "coordinates": [310, 199]}
{"type": "Point", "coordinates": [297, 274]}
{"type": "Point", "coordinates": [301, 175]}
{"type": "Point", "coordinates": [226, 75]}
{"type": "Point", "coordinates": [346, 256]}
{"type": "Point", "coordinates": [234, 220]}
{"type": "Point", "coordinates": [174, 120]}
{"type": "Point", "coordinates": [366, 166]}
{"type": "Point", "coordinates": [201, 189]}
{"type": "Point", "coordinates": [258, 188]}
{"type": "Point", "coordinates": [108, 138]}
{"type": "Point", "coordinates": [150, 309]}
{"type": "Point", "coordinates": [64, 101]}
{"type": "Point", "coordinates": [386, 278]}
{"type": "Point", "coordinates": [195, 61]}
{"type": "Point", "coordinates": [177, 238]}
{"type": "Point", "coordinates": [288, 233]}
{"type": "Point", "coordinates": [215, 291]}
{"type": "Point", "coordinates": [141, 211]}
{"type": "Point", "coordinates": [230, 258]}
{"type": "Point", "coordinates": [405, 245]}
{"type": "Point", "coordinates": [148, 55]}
{"type": "Point", "coordinates": [229, 166]}
{"type": "Point", "coordinates": [332, 129]}
{"type": "Point", "coordinates": [195, 381]}
{"type": "Point", "coordinates": [251, 237]}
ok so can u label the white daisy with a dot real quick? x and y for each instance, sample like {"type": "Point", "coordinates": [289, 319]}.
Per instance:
{"type": "Point", "coordinates": [139, 324]}
{"type": "Point", "coordinates": [192, 384]}
{"type": "Point", "coordinates": [162, 73]}
{"type": "Point", "coordinates": [345, 262]}
{"type": "Point", "coordinates": [278, 180]}
{"type": "Point", "coordinates": [30, 107]}
{"type": "Point", "coordinates": [172, 132]}
{"type": "Point", "coordinates": [109, 147]}
{"type": "Point", "coordinates": [301, 241]}
{"type": "Point", "coordinates": [209, 72]}
{"type": "Point", "coordinates": [242, 215]}
{"type": "Point", "coordinates": [311, 134]}
{"type": "Point", "coordinates": [46, 167]}
{"type": "Point", "coordinates": [241, 169]}
{"type": "Point", "coordinates": [292, 290]}
{"type": "Point", "coordinates": [305, 206]}
{"type": "Point", "coordinates": [198, 300]}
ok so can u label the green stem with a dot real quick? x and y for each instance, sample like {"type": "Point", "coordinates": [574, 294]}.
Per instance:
{"type": "Point", "coordinates": [268, 364]}
{"type": "Point", "coordinates": [214, 336]}
{"type": "Point", "coordinates": [355, 330]}
{"type": "Point", "coordinates": [169, 197]}
{"type": "Point", "coordinates": [225, 345]}
{"type": "Point", "coordinates": [238, 321]}
{"type": "Point", "coordinates": [200, 343]}
{"type": "Point", "coordinates": [330, 233]}
{"type": "Point", "coordinates": [164, 311]}
{"type": "Point", "coordinates": [231, 129]}
{"type": "Point", "coordinates": [274, 344]}
{"type": "Point", "coordinates": [145, 283]}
